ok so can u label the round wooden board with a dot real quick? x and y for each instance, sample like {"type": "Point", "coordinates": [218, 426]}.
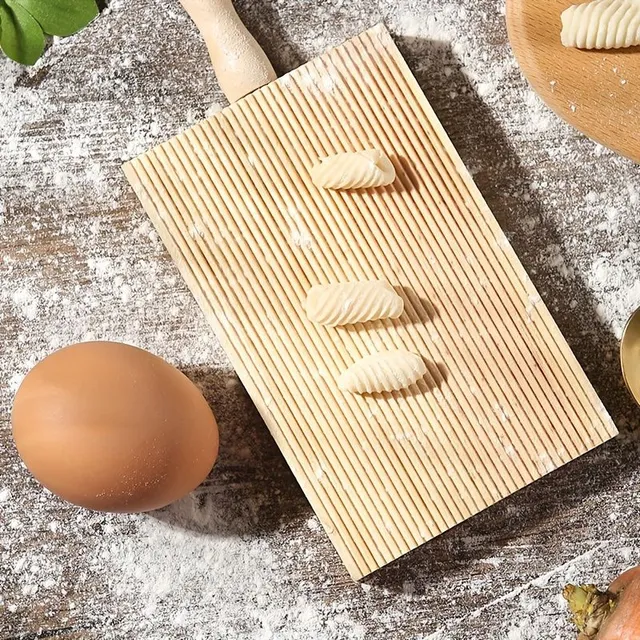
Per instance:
{"type": "Point", "coordinates": [598, 92]}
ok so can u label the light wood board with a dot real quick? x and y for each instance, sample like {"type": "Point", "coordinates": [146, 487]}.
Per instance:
{"type": "Point", "coordinates": [598, 92]}
{"type": "Point", "coordinates": [504, 401]}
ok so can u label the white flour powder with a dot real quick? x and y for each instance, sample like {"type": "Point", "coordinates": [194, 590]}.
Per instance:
{"type": "Point", "coordinates": [244, 557]}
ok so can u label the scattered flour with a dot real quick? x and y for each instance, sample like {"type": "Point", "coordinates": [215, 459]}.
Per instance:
{"type": "Point", "coordinates": [220, 564]}
{"type": "Point", "coordinates": [301, 238]}
{"type": "Point", "coordinates": [192, 576]}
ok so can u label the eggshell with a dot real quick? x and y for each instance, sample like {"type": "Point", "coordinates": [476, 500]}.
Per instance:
{"type": "Point", "coordinates": [111, 427]}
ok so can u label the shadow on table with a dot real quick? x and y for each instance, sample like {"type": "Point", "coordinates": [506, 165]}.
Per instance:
{"type": "Point", "coordinates": [564, 500]}
{"type": "Point", "coordinates": [250, 490]}
{"type": "Point", "coordinates": [265, 23]}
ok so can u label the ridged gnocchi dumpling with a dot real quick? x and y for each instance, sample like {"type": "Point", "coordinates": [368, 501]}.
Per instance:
{"type": "Point", "coordinates": [383, 371]}
{"type": "Point", "coordinates": [602, 24]}
{"type": "Point", "coordinates": [333, 305]}
{"type": "Point", "coordinates": [354, 170]}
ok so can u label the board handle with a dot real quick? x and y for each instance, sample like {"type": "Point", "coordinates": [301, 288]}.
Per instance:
{"type": "Point", "coordinates": [238, 61]}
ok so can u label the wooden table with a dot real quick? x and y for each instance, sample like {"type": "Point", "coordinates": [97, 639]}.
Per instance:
{"type": "Point", "coordinates": [244, 556]}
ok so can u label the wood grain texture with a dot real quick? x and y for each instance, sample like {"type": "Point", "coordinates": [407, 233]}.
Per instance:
{"type": "Point", "coordinates": [504, 401]}
{"type": "Point", "coordinates": [239, 63]}
{"type": "Point", "coordinates": [138, 76]}
{"type": "Point", "coordinates": [598, 92]}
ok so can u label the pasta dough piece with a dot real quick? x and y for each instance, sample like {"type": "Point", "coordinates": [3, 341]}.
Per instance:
{"type": "Point", "coordinates": [383, 371]}
{"type": "Point", "coordinates": [347, 303]}
{"type": "Point", "coordinates": [354, 170]}
{"type": "Point", "coordinates": [602, 24]}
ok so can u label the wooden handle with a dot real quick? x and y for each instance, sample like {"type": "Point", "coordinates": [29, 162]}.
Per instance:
{"type": "Point", "coordinates": [240, 64]}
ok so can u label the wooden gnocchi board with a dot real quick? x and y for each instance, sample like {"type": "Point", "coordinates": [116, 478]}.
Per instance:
{"type": "Point", "coordinates": [598, 92]}
{"type": "Point", "coordinates": [504, 401]}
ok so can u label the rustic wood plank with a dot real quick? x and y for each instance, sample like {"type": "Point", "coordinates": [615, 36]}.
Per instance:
{"type": "Point", "coordinates": [73, 236]}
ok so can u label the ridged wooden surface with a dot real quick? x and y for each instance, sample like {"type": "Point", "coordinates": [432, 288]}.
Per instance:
{"type": "Point", "coordinates": [504, 401]}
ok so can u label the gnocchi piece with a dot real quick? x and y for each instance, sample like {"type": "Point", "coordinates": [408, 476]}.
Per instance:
{"type": "Point", "coordinates": [602, 24]}
{"type": "Point", "coordinates": [383, 371]}
{"type": "Point", "coordinates": [354, 170]}
{"type": "Point", "coordinates": [333, 305]}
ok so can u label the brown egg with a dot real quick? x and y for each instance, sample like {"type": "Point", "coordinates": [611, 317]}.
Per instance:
{"type": "Point", "coordinates": [114, 428]}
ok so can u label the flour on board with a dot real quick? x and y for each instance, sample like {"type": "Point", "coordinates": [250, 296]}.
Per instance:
{"type": "Point", "coordinates": [243, 556]}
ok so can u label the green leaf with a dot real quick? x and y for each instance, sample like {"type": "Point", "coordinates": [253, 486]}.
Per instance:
{"type": "Point", "coordinates": [21, 37]}
{"type": "Point", "coordinates": [61, 17]}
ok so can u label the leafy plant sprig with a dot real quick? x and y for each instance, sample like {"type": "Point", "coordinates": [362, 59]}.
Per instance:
{"type": "Point", "coordinates": [24, 24]}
